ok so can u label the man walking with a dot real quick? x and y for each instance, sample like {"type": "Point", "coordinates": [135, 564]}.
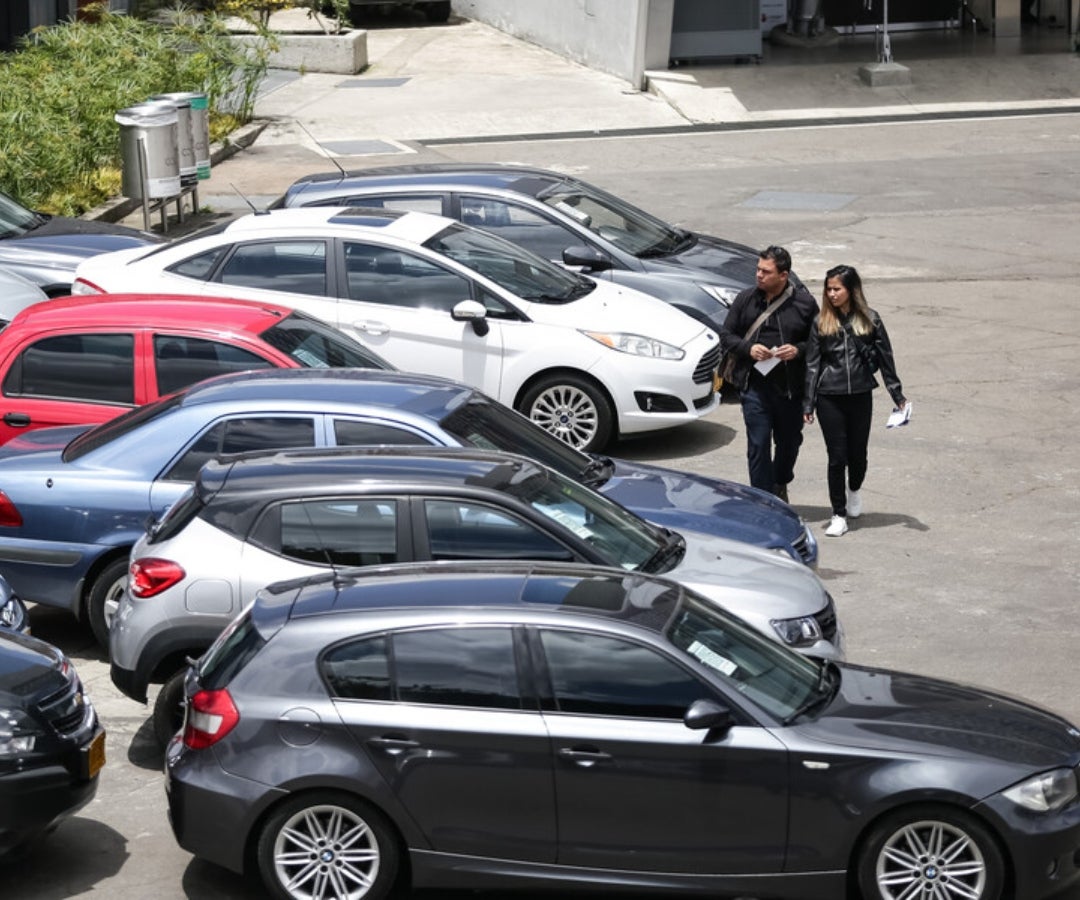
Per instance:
{"type": "Point", "coordinates": [766, 329]}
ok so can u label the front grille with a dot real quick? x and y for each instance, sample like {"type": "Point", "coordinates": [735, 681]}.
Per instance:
{"type": "Point", "coordinates": [66, 710]}
{"type": "Point", "coordinates": [826, 620]}
{"type": "Point", "coordinates": [801, 545]}
{"type": "Point", "coordinates": [707, 366]}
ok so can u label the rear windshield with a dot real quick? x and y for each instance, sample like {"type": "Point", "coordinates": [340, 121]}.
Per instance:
{"type": "Point", "coordinates": [176, 517]}
{"type": "Point", "coordinates": [234, 648]}
{"type": "Point", "coordinates": [315, 345]}
{"type": "Point", "coordinates": [109, 431]}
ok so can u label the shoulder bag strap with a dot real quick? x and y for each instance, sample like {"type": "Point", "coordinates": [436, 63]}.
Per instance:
{"type": "Point", "coordinates": [769, 310]}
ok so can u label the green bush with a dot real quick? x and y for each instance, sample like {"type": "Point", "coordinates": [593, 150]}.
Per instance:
{"type": "Point", "coordinates": [59, 142]}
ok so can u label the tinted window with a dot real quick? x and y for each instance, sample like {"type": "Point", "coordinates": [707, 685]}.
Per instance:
{"type": "Point", "coordinates": [340, 532]}
{"type": "Point", "coordinates": [359, 671]}
{"type": "Point", "coordinates": [425, 203]}
{"type": "Point", "coordinates": [353, 433]}
{"type": "Point", "coordinates": [463, 530]}
{"type": "Point", "coordinates": [522, 226]}
{"type": "Point", "coordinates": [181, 361]}
{"type": "Point", "coordinates": [604, 676]}
{"type": "Point", "coordinates": [96, 368]}
{"type": "Point", "coordinates": [295, 267]}
{"type": "Point", "coordinates": [199, 267]}
{"type": "Point", "coordinates": [457, 667]}
{"type": "Point", "coordinates": [317, 346]}
{"type": "Point", "coordinates": [393, 278]}
{"type": "Point", "coordinates": [242, 436]}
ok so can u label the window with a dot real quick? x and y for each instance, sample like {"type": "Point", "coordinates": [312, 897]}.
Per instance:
{"type": "Point", "coordinates": [93, 368]}
{"type": "Point", "coordinates": [394, 278]}
{"type": "Point", "coordinates": [598, 675]}
{"type": "Point", "coordinates": [340, 532]}
{"type": "Point", "coordinates": [181, 361]}
{"type": "Point", "coordinates": [531, 230]}
{"type": "Point", "coordinates": [357, 433]}
{"type": "Point", "coordinates": [294, 267]}
{"type": "Point", "coordinates": [464, 530]}
{"type": "Point", "coordinates": [315, 345]}
{"type": "Point", "coordinates": [359, 671]}
{"type": "Point", "coordinates": [241, 436]}
{"type": "Point", "coordinates": [199, 267]}
{"type": "Point", "coordinates": [457, 667]}
{"type": "Point", "coordinates": [425, 203]}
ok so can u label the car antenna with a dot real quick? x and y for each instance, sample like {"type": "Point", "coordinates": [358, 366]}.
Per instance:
{"type": "Point", "coordinates": [251, 206]}
{"type": "Point", "coordinates": [332, 159]}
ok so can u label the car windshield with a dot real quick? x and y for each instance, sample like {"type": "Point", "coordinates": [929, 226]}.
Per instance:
{"type": "Point", "coordinates": [780, 681]}
{"type": "Point", "coordinates": [622, 538]}
{"type": "Point", "coordinates": [16, 219]}
{"type": "Point", "coordinates": [318, 346]}
{"type": "Point", "coordinates": [630, 229]}
{"type": "Point", "coordinates": [513, 268]}
{"type": "Point", "coordinates": [107, 432]}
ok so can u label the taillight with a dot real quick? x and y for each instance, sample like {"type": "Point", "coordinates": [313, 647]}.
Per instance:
{"type": "Point", "coordinates": [151, 576]}
{"type": "Point", "coordinates": [211, 715]}
{"type": "Point", "coordinates": [82, 286]}
{"type": "Point", "coordinates": [9, 515]}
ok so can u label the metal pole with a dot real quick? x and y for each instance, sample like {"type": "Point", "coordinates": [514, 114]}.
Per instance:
{"type": "Point", "coordinates": [886, 48]}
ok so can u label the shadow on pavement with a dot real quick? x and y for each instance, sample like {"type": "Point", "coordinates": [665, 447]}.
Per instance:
{"type": "Point", "coordinates": [60, 866]}
{"type": "Point", "coordinates": [693, 439]}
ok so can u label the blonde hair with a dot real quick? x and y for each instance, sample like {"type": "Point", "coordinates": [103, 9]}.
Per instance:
{"type": "Point", "coordinates": [828, 321]}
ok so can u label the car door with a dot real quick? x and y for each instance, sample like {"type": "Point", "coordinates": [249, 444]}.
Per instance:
{"type": "Point", "coordinates": [636, 789]}
{"type": "Point", "coordinates": [441, 715]}
{"type": "Point", "coordinates": [181, 360]}
{"type": "Point", "coordinates": [463, 529]}
{"type": "Point", "coordinates": [399, 303]}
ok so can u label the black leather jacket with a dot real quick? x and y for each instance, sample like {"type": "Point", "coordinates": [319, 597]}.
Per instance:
{"type": "Point", "coordinates": [835, 365]}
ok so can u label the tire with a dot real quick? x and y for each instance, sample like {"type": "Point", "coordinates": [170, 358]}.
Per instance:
{"type": "Point", "coordinates": [437, 11]}
{"type": "Point", "coordinates": [572, 408]}
{"type": "Point", "coordinates": [104, 598]}
{"type": "Point", "coordinates": [168, 713]}
{"type": "Point", "coordinates": [930, 852]}
{"type": "Point", "coordinates": [308, 826]}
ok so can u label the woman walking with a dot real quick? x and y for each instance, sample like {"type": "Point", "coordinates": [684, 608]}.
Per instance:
{"type": "Point", "coordinates": [847, 345]}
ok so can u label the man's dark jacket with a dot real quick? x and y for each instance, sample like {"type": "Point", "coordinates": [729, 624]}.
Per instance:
{"type": "Point", "coordinates": [789, 324]}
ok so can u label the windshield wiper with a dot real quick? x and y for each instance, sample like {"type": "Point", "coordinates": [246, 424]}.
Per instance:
{"type": "Point", "coordinates": [674, 545]}
{"type": "Point", "coordinates": [827, 684]}
{"type": "Point", "coordinates": [597, 472]}
{"type": "Point", "coordinates": [675, 242]}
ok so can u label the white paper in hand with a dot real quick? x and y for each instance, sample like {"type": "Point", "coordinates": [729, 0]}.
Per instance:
{"type": "Point", "coordinates": [899, 417]}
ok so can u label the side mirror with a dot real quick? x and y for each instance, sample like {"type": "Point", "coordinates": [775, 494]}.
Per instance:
{"type": "Point", "coordinates": [589, 259]}
{"type": "Point", "coordinates": [471, 311]}
{"type": "Point", "coordinates": [707, 715]}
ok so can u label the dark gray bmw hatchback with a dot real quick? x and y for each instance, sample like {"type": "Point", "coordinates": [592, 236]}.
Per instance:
{"type": "Point", "coordinates": [499, 725]}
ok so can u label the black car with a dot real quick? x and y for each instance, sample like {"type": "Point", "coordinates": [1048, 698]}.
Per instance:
{"type": "Point", "coordinates": [561, 218]}
{"type": "Point", "coordinates": [52, 746]}
{"type": "Point", "coordinates": [45, 249]}
{"type": "Point", "coordinates": [498, 725]}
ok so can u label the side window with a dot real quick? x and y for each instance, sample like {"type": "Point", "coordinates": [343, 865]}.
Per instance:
{"type": "Point", "coordinates": [603, 676]}
{"type": "Point", "coordinates": [94, 368]}
{"type": "Point", "coordinates": [457, 667]}
{"type": "Point", "coordinates": [181, 361]}
{"type": "Point", "coordinates": [241, 436]}
{"type": "Point", "coordinates": [395, 278]}
{"type": "Point", "coordinates": [340, 532]}
{"type": "Point", "coordinates": [198, 267]}
{"type": "Point", "coordinates": [425, 203]}
{"type": "Point", "coordinates": [356, 433]}
{"type": "Point", "coordinates": [293, 267]}
{"type": "Point", "coordinates": [359, 671]}
{"type": "Point", "coordinates": [463, 530]}
{"type": "Point", "coordinates": [519, 224]}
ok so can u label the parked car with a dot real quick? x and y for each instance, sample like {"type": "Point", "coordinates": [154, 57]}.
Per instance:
{"type": "Point", "coordinates": [52, 746]}
{"type": "Point", "coordinates": [13, 613]}
{"type": "Point", "coordinates": [275, 516]}
{"type": "Point", "coordinates": [585, 359]}
{"type": "Point", "coordinates": [506, 726]}
{"type": "Point", "coordinates": [46, 249]}
{"type": "Point", "coordinates": [559, 217]}
{"type": "Point", "coordinates": [83, 360]}
{"type": "Point", "coordinates": [16, 293]}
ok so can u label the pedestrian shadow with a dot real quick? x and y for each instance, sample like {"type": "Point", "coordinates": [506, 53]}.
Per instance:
{"type": "Point", "coordinates": [816, 515]}
{"type": "Point", "coordinates": [89, 852]}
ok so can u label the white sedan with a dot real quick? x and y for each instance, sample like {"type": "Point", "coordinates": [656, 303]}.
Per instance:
{"type": "Point", "coordinates": [585, 359]}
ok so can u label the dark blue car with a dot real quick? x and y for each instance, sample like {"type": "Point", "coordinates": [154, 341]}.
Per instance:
{"type": "Point", "coordinates": [73, 501]}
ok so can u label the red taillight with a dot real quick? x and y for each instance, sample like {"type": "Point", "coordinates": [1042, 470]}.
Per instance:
{"type": "Point", "coordinates": [151, 576]}
{"type": "Point", "coordinates": [9, 515]}
{"type": "Point", "coordinates": [211, 715]}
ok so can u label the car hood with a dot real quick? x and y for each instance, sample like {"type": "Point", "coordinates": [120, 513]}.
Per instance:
{"type": "Point", "coordinates": [895, 712]}
{"type": "Point", "coordinates": [710, 256]}
{"type": "Point", "coordinates": [755, 584]}
{"type": "Point", "coordinates": [711, 506]}
{"type": "Point", "coordinates": [49, 441]}
{"type": "Point", "coordinates": [28, 668]}
{"type": "Point", "coordinates": [615, 308]}
{"type": "Point", "coordinates": [64, 243]}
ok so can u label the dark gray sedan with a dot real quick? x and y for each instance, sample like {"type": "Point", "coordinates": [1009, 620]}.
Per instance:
{"type": "Point", "coordinates": [499, 725]}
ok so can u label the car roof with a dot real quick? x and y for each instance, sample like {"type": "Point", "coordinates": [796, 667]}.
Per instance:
{"type": "Point", "coordinates": [415, 227]}
{"type": "Point", "coordinates": [163, 311]}
{"type": "Point", "coordinates": [519, 179]}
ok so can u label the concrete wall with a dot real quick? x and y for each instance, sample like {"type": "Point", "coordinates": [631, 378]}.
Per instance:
{"type": "Point", "coordinates": [607, 35]}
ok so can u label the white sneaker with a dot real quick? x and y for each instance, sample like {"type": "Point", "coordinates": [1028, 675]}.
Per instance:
{"type": "Point", "coordinates": [854, 504]}
{"type": "Point", "coordinates": [837, 527]}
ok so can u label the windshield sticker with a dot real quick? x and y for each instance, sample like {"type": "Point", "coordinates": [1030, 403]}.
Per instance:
{"type": "Point", "coordinates": [309, 359]}
{"type": "Point", "coordinates": [711, 658]}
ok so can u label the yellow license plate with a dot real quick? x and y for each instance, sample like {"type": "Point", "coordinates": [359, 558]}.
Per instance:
{"type": "Point", "coordinates": [94, 755]}
{"type": "Point", "coordinates": [717, 381]}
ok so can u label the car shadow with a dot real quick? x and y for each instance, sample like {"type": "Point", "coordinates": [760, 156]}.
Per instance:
{"type": "Point", "coordinates": [36, 874]}
{"type": "Point", "coordinates": [655, 446]}
{"type": "Point", "coordinates": [61, 629]}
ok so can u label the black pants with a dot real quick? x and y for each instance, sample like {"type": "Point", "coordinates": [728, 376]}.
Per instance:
{"type": "Point", "coordinates": [845, 424]}
{"type": "Point", "coordinates": [771, 421]}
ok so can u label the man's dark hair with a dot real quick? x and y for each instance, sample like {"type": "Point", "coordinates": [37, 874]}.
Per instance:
{"type": "Point", "coordinates": [778, 255]}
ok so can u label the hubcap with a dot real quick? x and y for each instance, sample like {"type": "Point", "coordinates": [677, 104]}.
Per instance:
{"type": "Point", "coordinates": [326, 853]}
{"type": "Point", "coordinates": [568, 413]}
{"type": "Point", "coordinates": [111, 605]}
{"type": "Point", "coordinates": [931, 860]}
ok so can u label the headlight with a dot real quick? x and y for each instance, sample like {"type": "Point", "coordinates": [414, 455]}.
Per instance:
{"type": "Point", "coordinates": [725, 296]}
{"type": "Point", "coordinates": [801, 632]}
{"type": "Point", "coordinates": [635, 344]}
{"type": "Point", "coordinates": [16, 733]}
{"type": "Point", "coordinates": [1046, 792]}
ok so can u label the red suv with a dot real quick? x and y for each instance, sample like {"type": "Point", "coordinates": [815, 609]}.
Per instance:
{"type": "Point", "coordinates": [83, 360]}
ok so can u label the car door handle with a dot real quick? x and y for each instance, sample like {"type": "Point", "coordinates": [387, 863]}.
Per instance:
{"type": "Point", "coordinates": [16, 420]}
{"type": "Point", "coordinates": [586, 757]}
{"type": "Point", "coordinates": [393, 746]}
{"type": "Point", "coordinates": [369, 326]}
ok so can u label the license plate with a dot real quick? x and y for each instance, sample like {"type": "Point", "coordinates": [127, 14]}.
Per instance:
{"type": "Point", "coordinates": [93, 755]}
{"type": "Point", "coordinates": [717, 381]}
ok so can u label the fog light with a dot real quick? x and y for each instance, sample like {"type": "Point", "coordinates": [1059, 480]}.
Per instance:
{"type": "Point", "coordinates": [658, 403]}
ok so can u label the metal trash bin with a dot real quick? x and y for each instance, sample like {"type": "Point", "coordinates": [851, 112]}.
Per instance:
{"type": "Point", "coordinates": [185, 139]}
{"type": "Point", "coordinates": [149, 150]}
